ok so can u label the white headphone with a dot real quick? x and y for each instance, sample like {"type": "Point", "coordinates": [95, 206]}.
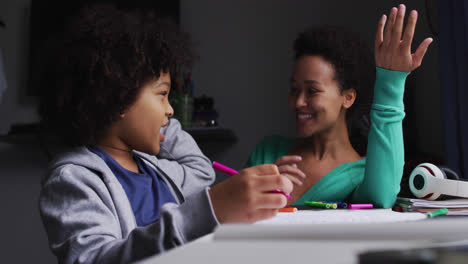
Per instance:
{"type": "Point", "coordinates": [429, 181]}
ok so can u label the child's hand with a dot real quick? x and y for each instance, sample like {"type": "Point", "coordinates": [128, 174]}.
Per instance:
{"type": "Point", "coordinates": [245, 196]}
{"type": "Point", "coordinates": [287, 167]}
{"type": "Point", "coordinates": [391, 51]}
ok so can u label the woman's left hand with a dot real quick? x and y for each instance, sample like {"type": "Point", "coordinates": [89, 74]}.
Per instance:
{"type": "Point", "coordinates": [287, 166]}
{"type": "Point", "coordinates": [391, 51]}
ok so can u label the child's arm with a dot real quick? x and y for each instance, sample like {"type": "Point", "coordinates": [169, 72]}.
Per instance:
{"type": "Point", "coordinates": [89, 222]}
{"type": "Point", "coordinates": [385, 151]}
{"type": "Point", "coordinates": [181, 156]}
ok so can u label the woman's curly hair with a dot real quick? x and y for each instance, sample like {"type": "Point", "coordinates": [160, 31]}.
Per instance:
{"type": "Point", "coordinates": [354, 68]}
{"type": "Point", "coordinates": [102, 60]}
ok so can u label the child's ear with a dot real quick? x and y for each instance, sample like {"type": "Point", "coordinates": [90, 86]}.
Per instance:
{"type": "Point", "coordinates": [122, 113]}
{"type": "Point", "coordinates": [349, 96]}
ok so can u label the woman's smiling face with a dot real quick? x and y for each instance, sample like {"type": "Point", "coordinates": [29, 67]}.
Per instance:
{"type": "Point", "coordinates": [315, 96]}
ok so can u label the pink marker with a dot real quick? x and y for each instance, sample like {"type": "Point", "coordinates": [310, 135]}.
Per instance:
{"type": "Point", "coordinates": [360, 206]}
{"type": "Point", "coordinates": [223, 168]}
{"type": "Point", "coordinates": [230, 171]}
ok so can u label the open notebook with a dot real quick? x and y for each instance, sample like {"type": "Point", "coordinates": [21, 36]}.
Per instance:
{"type": "Point", "coordinates": [369, 224]}
{"type": "Point", "coordinates": [342, 216]}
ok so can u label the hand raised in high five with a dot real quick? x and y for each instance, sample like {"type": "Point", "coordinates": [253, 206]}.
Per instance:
{"type": "Point", "coordinates": [392, 52]}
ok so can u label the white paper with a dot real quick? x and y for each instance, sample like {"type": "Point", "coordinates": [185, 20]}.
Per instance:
{"type": "Point", "coordinates": [451, 203]}
{"type": "Point", "coordinates": [375, 224]}
{"type": "Point", "coordinates": [342, 216]}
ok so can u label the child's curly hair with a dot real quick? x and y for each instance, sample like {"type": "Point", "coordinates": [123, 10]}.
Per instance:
{"type": "Point", "coordinates": [104, 58]}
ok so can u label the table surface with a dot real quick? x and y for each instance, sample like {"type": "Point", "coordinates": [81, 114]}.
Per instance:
{"type": "Point", "coordinates": [209, 250]}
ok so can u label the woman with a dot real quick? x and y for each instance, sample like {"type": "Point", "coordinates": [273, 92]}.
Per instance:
{"type": "Point", "coordinates": [328, 92]}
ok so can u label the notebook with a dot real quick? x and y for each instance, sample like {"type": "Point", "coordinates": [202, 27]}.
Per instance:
{"type": "Point", "coordinates": [455, 206]}
{"type": "Point", "coordinates": [342, 216]}
{"type": "Point", "coordinates": [368, 224]}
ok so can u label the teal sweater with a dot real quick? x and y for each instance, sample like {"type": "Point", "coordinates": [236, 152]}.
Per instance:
{"type": "Point", "coordinates": [374, 179]}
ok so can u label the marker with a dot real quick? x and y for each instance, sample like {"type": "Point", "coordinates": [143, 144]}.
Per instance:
{"type": "Point", "coordinates": [287, 210]}
{"type": "Point", "coordinates": [360, 206]}
{"type": "Point", "coordinates": [223, 168]}
{"type": "Point", "coordinates": [440, 212]}
{"type": "Point", "coordinates": [231, 171]}
{"type": "Point", "coordinates": [342, 205]}
{"type": "Point", "coordinates": [333, 205]}
{"type": "Point", "coordinates": [338, 204]}
{"type": "Point", "coordinates": [283, 193]}
{"type": "Point", "coordinates": [317, 204]}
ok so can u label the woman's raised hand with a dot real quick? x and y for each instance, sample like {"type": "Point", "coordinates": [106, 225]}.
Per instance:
{"type": "Point", "coordinates": [393, 46]}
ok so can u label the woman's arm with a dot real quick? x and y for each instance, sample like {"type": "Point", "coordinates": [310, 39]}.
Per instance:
{"type": "Point", "coordinates": [385, 151]}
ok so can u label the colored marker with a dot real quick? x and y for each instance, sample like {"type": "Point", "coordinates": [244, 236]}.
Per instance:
{"type": "Point", "coordinates": [440, 212]}
{"type": "Point", "coordinates": [287, 210]}
{"type": "Point", "coordinates": [283, 193]}
{"type": "Point", "coordinates": [360, 206]}
{"type": "Point", "coordinates": [317, 204]}
{"type": "Point", "coordinates": [231, 171]}
{"type": "Point", "coordinates": [333, 205]}
{"type": "Point", "coordinates": [223, 168]}
{"type": "Point", "coordinates": [339, 204]}
{"type": "Point", "coordinates": [342, 205]}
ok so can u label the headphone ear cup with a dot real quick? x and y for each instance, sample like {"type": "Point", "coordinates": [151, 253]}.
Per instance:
{"type": "Point", "coordinates": [419, 181]}
{"type": "Point", "coordinates": [428, 181]}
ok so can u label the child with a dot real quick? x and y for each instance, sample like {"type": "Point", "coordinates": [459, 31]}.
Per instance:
{"type": "Point", "coordinates": [330, 77]}
{"type": "Point", "coordinates": [109, 199]}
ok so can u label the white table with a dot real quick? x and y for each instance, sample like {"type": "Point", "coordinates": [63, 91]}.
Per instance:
{"type": "Point", "coordinates": [337, 247]}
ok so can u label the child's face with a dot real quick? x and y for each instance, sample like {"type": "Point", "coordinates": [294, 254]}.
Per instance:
{"type": "Point", "coordinates": [315, 96]}
{"type": "Point", "coordinates": [141, 123]}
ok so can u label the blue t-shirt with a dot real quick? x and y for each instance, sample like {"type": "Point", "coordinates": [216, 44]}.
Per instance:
{"type": "Point", "coordinates": [146, 191]}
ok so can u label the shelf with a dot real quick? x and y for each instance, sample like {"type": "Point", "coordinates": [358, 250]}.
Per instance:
{"type": "Point", "coordinates": [211, 140]}
{"type": "Point", "coordinates": [201, 135]}
{"type": "Point", "coordinates": [20, 139]}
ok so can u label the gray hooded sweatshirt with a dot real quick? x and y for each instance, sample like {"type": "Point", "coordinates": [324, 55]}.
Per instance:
{"type": "Point", "coordinates": [88, 217]}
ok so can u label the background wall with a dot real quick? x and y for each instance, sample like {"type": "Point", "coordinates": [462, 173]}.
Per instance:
{"type": "Point", "coordinates": [246, 60]}
{"type": "Point", "coordinates": [14, 38]}
{"type": "Point", "coordinates": [245, 50]}
{"type": "Point", "coordinates": [23, 239]}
